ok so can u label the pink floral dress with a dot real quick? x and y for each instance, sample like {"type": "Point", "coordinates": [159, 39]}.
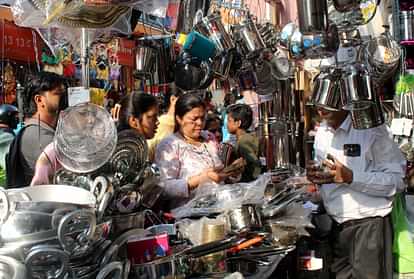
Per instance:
{"type": "Point", "coordinates": [179, 160]}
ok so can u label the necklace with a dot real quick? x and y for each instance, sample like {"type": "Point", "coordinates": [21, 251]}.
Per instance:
{"type": "Point", "coordinates": [202, 153]}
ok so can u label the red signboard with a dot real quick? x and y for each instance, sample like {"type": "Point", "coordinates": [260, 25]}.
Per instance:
{"type": "Point", "coordinates": [18, 43]}
{"type": "Point", "coordinates": [126, 52]}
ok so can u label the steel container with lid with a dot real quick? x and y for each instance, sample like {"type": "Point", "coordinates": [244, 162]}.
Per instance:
{"type": "Point", "coordinates": [406, 18]}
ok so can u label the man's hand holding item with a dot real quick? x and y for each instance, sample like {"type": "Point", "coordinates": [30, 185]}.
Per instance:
{"type": "Point", "coordinates": [330, 171]}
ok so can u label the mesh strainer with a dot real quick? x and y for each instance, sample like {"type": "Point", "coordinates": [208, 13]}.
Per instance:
{"type": "Point", "coordinates": [85, 138]}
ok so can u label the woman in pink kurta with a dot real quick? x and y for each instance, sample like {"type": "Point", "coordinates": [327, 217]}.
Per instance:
{"type": "Point", "coordinates": [189, 157]}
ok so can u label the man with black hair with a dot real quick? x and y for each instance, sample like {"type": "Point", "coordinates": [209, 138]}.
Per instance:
{"type": "Point", "coordinates": [44, 97]}
{"type": "Point", "coordinates": [240, 118]}
{"type": "Point", "coordinates": [8, 122]}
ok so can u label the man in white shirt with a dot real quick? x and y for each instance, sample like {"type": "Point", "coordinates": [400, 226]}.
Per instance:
{"type": "Point", "coordinates": [361, 172]}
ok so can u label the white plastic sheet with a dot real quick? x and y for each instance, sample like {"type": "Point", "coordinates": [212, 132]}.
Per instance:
{"type": "Point", "coordinates": [213, 200]}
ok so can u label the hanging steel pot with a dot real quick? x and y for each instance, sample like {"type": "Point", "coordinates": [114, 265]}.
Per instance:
{"type": "Point", "coordinates": [313, 16]}
{"type": "Point", "coordinates": [251, 37]}
{"type": "Point", "coordinates": [213, 28]}
{"type": "Point", "coordinates": [192, 74]}
{"type": "Point", "coordinates": [357, 90]}
{"type": "Point", "coordinates": [221, 64]}
{"type": "Point", "coordinates": [326, 91]}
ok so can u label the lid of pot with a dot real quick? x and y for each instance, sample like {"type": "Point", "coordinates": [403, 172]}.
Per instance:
{"type": "Point", "coordinates": [85, 138]}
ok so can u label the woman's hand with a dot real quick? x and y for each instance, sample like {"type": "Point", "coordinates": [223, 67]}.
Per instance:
{"type": "Point", "coordinates": [206, 175]}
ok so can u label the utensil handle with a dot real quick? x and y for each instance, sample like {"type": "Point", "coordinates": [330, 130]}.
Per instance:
{"type": "Point", "coordinates": [246, 244]}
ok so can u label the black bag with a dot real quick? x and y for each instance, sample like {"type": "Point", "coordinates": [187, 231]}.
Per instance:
{"type": "Point", "coordinates": [15, 176]}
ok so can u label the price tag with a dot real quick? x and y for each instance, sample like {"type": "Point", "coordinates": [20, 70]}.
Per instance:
{"type": "Point", "coordinates": [397, 126]}
{"type": "Point", "coordinates": [408, 125]}
{"type": "Point", "coordinates": [78, 95]}
{"type": "Point", "coordinates": [401, 126]}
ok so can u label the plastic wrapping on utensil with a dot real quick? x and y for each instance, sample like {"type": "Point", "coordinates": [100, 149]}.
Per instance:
{"type": "Point", "coordinates": [295, 216]}
{"type": "Point", "coordinates": [57, 38]}
{"type": "Point", "coordinates": [71, 14]}
{"type": "Point", "coordinates": [213, 200]}
{"type": "Point", "coordinates": [195, 230]}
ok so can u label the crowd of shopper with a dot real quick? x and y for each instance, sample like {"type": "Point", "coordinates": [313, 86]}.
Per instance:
{"type": "Point", "coordinates": [360, 172]}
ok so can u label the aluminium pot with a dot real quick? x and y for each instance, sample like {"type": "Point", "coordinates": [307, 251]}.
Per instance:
{"type": "Point", "coordinates": [53, 193]}
{"type": "Point", "coordinates": [313, 16]}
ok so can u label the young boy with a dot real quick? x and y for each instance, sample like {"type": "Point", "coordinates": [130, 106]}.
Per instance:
{"type": "Point", "coordinates": [240, 118]}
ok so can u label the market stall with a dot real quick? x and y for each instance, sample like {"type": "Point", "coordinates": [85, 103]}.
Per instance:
{"type": "Point", "coordinates": [103, 217]}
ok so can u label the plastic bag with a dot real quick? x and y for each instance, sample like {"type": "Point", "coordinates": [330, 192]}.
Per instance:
{"type": "Point", "coordinates": [216, 199]}
{"type": "Point", "coordinates": [403, 246]}
{"type": "Point", "coordinates": [296, 216]}
{"type": "Point", "coordinates": [71, 14]}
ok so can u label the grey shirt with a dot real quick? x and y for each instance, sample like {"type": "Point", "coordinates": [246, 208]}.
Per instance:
{"type": "Point", "coordinates": [34, 139]}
